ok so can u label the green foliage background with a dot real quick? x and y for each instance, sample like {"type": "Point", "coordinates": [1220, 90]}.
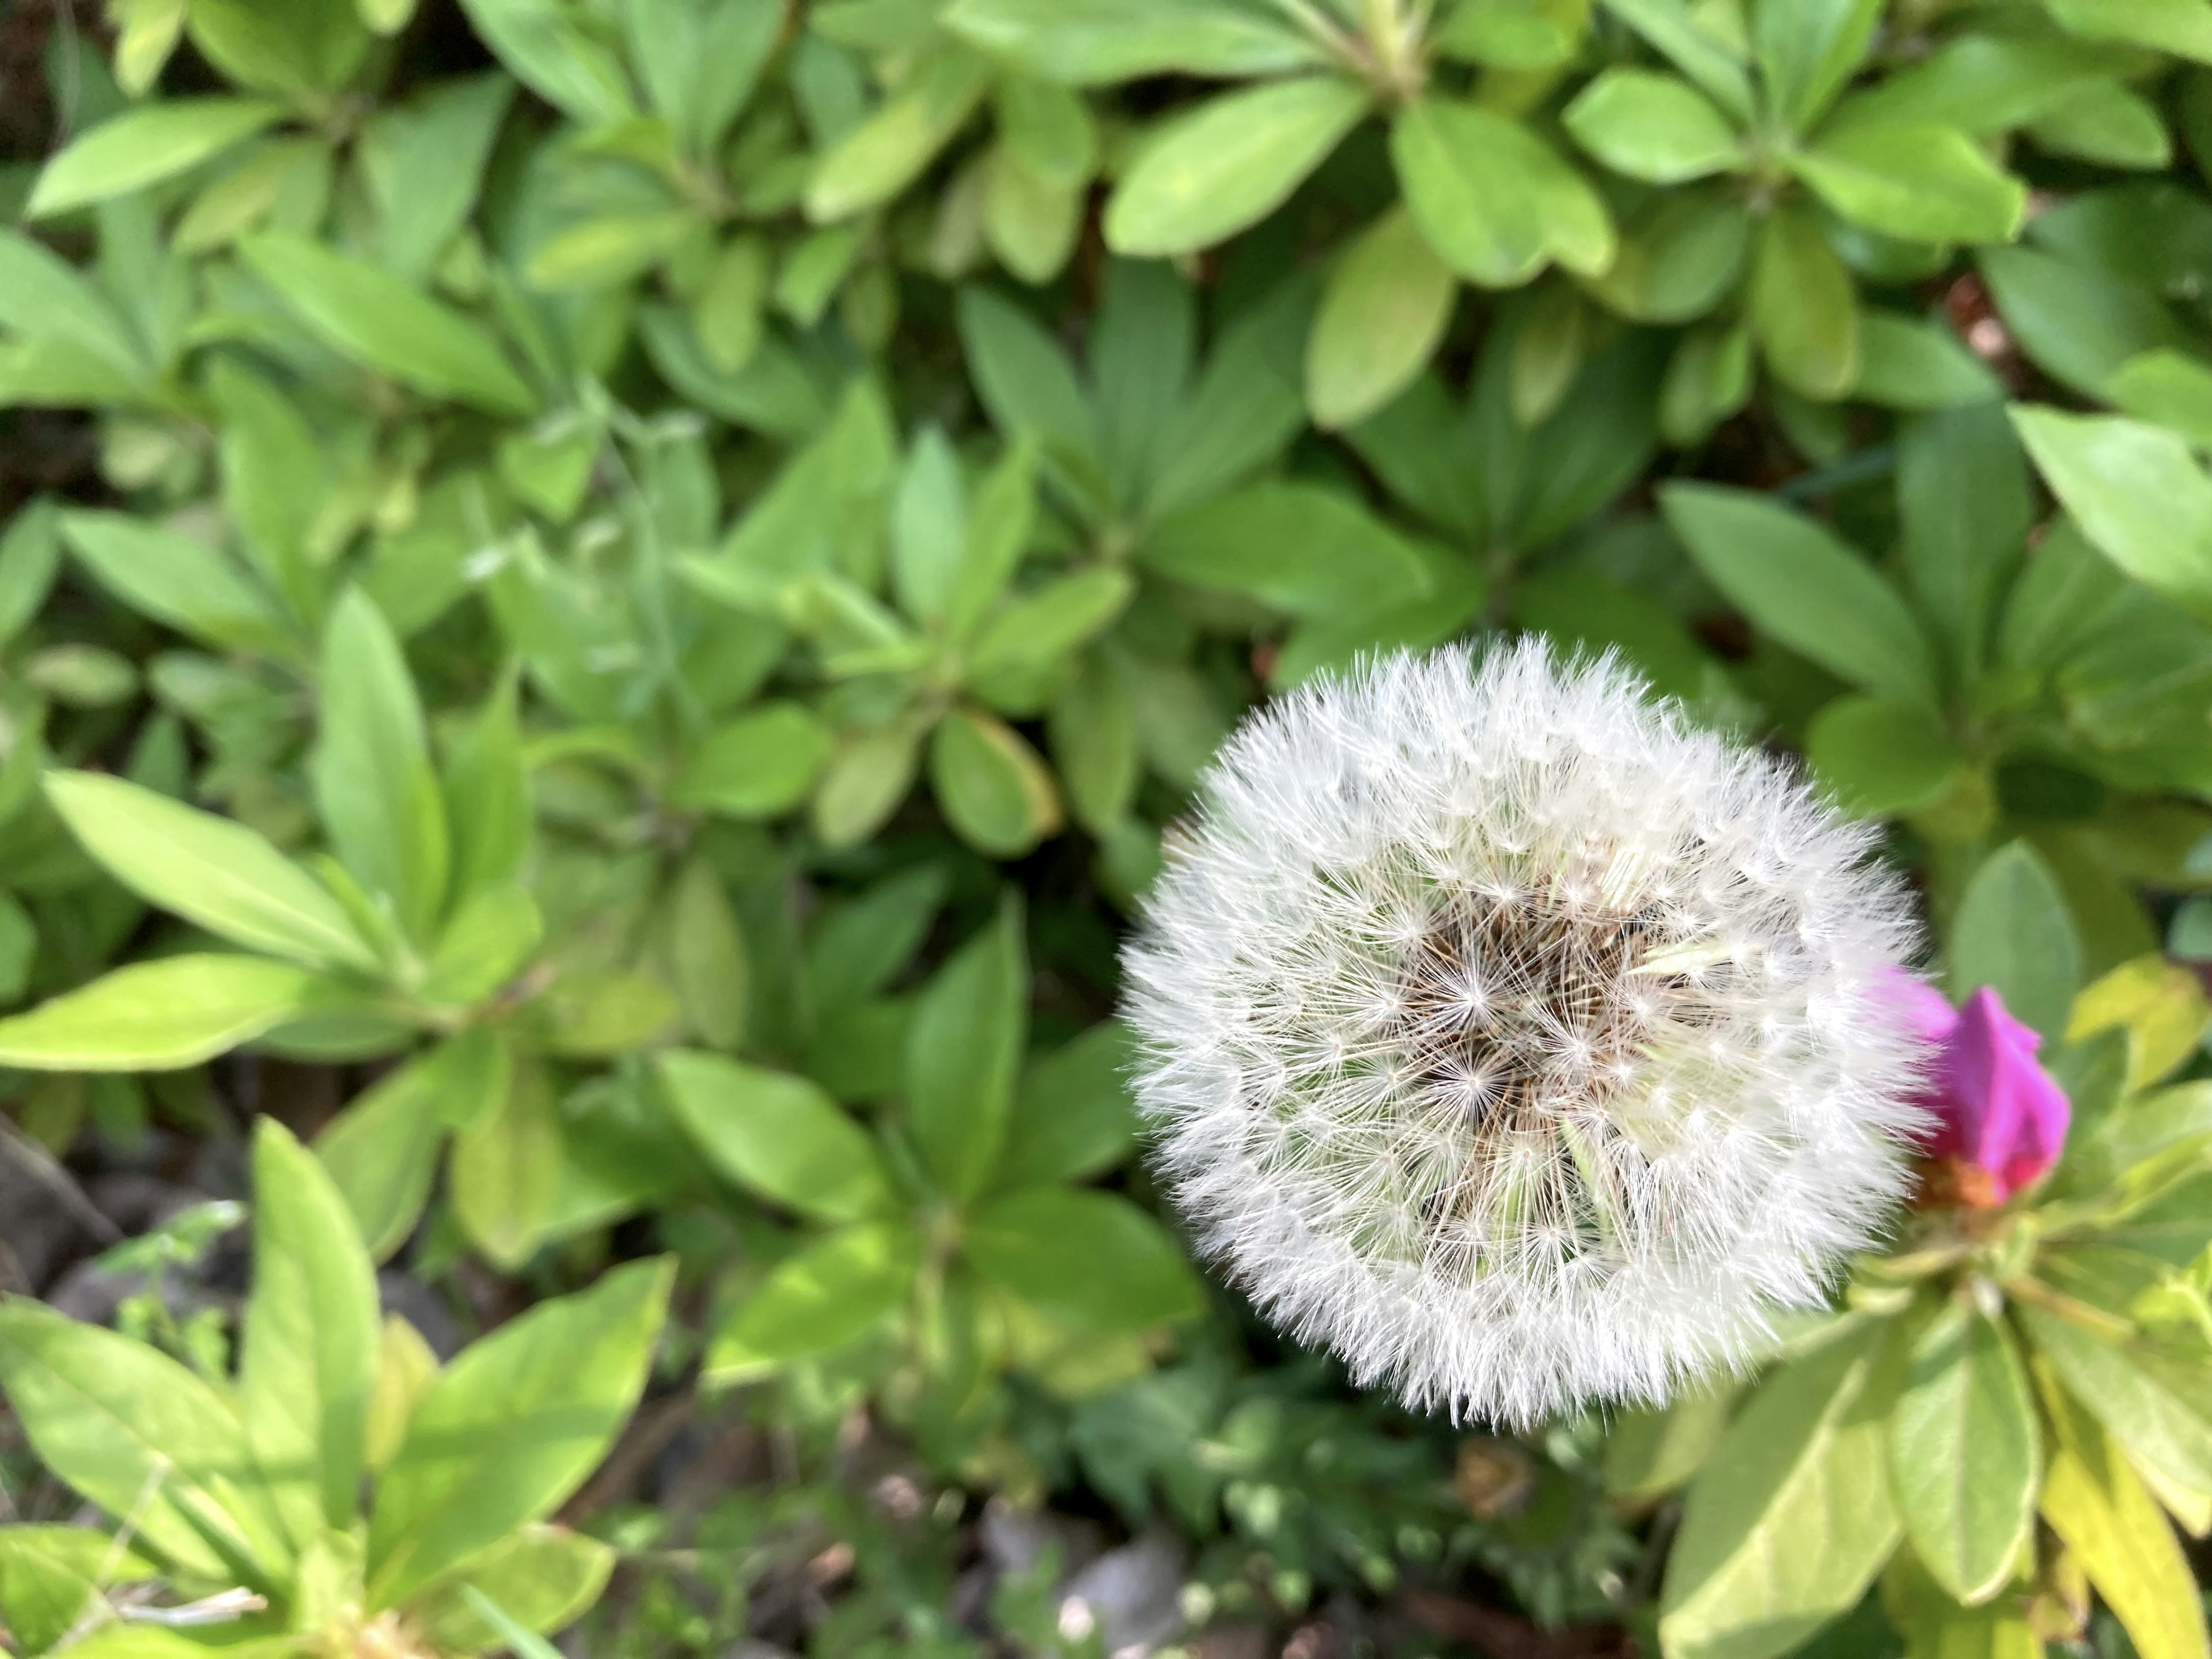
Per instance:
{"type": "Point", "coordinates": [641, 581]}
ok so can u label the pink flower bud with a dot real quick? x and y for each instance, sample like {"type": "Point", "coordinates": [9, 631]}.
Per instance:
{"type": "Point", "coordinates": [1999, 1117]}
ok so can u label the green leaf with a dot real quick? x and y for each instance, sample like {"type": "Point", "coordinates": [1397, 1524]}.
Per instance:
{"type": "Point", "coordinates": [2153, 1406]}
{"type": "Point", "coordinates": [513, 1426]}
{"type": "Point", "coordinates": [776, 1134]}
{"type": "Point", "coordinates": [554, 58]}
{"type": "Point", "coordinates": [2183, 27]}
{"type": "Point", "coordinates": [42, 297]}
{"type": "Point", "coordinates": [505, 1172]}
{"type": "Point", "coordinates": [1917, 364]}
{"type": "Point", "coordinates": [1028, 386]}
{"type": "Point", "coordinates": [1964, 494]}
{"type": "Point", "coordinates": [1919, 184]}
{"type": "Point", "coordinates": [1074, 1117]}
{"type": "Point", "coordinates": [1092, 42]}
{"type": "Point", "coordinates": [993, 787]}
{"type": "Point", "coordinates": [137, 1434]}
{"type": "Point", "coordinates": [488, 797]}
{"type": "Point", "coordinates": [1881, 759]}
{"type": "Point", "coordinates": [819, 1298]}
{"type": "Point", "coordinates": [2075, 323]}
{"type": "Point", "coordinates": [1803, 309]}
{"type": "Point", "coordinates": [2166, 388]}
{"type": "Point", "coordinates": [1091, 1258]}
{"type": "Point", "coordinates": [1381, 318]}
{"type": "Point", "coordinates": [608, 250]}
{"type": "Point", "coordinates": [545, 1577]}
{"type": "Point", "coordinates": [378, 320]}
{"type": "Point", "coordinates": [2138, 493]}
{"type": "Point", "coordinates": [757, 766]}
{"type": "Point", "coordinates": [1228, 163]}
{"type": "Point", "coordinates": [382, 1150]}
{"type": "Point", "coordinates": [1685, 42]}
{"type": "Point", "coordinates": [2112, 1526]}
{"type": "Point", "coordinates": [374, 790]}
{"type": "Point", "coordinates": [1653, 127]}
{"type": "Point", "coordinates": [1094, 744]}
{"type": "Point", "coordinates": [145, 144]}
{"type": "Point", "coordinates": [1797, 581]}
{"type": "Point", "coordinates": [307, 1350]}
{"type": "Point", "coordinates": [1651, 1452]}
{"type": "Point", "coordinates": [1305, 549]}
{"type": "Point", "coordinates": [51, 1577]}
{"type": "Point", "coordinates": [864, 783]}
{"type": "Point", "coordinates": [1965, 1453]}
{"type": "Point", "coordinates": [885, 153]}
{"type": "Point", "coordinates": [700, 64]}
{"type": "Point", "coordinates": [1791, 1518]}
{"type": "Point", "coordinates": [1039, 631]}
{"type": "Point", "coordinates": [2012, 931]}
{"type": "Point", "coordinates": [1478, 213]}
{"type": "Point", "coordinates": [1808, 49]}
{"type": "Point", "coordinates": [161, 1016]}
{"type": "Point", "coordinates": [175, 580]}
{"type": "Point", "coordinates": [423, 163]}
{"type": "Point", "coordinates": [705, 949]}
{"type": "Point", "coordinates": [859, 946]}
{"type": "Point", "coordinates": [963, 1052]}
{"type": "Point", "coordinates": [208, 869]}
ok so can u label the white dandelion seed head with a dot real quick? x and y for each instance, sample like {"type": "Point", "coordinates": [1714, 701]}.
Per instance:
{"type": "Point", "coordinates": [1518, 1042]}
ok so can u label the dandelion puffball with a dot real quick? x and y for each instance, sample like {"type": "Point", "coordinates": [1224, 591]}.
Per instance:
{"type": "Point", "coordinates": [1515, 1039]}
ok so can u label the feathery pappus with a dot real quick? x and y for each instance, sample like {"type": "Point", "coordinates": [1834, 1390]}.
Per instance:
{"type": "Point", "coordinates": [1516, 1040]}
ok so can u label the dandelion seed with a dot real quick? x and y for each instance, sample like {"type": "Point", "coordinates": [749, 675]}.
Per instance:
{"type": "Point", "coordinates": [1579, 1059]}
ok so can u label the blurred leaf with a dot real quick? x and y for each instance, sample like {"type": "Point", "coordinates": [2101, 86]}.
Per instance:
{"type": "Point", "coordinates": [757, 766]}
{"type": "Point", "coordinates": [554, 57]}
{"type": "Point", "coordinates": [161, 1016]}
{"type": "Point", "coordinates": [963, 1052]}
{"type": "Point", "coordinates": [1922, 184]}
{"type": "Point", "coordinates": [1383, 313]}
{"type": "Point", "coordinates": [1808, 49]}
{"type": "Point", "coordinates": [1881, 759]}
{"type": "Point", "coordinates": [513, 1426]}
{"type": "Point", "coordinates": [2137, 493]}
{"type": "Point", "coordinates": [307, 1350]}
{"type": "Point", "coordinates": [1803, 309]}
{"type": "Point", "coordinates": [2076, 324]}
{"type": "Point", "coordinates": [1091, 1258]}
{"type": "Point", "coordinates": [142, 146]}
{"type": "Point", "coordinates": [1073, 1117]}
{"type": "Point", "coordinates": [1304, 550]}
{"type": "Point", "coordinates": [1799, 582]}
{"type": "Point", "coordinates": [1652, 127]}
{"type": "Point", "coordinates": [777, 1134]}
{"type": "Point", "coordinates": [382, 323]}
{"type": "Point", "coordinates": [506, 1167]}
{"type": "Point", "coordinates": [886, 152]}
{"type": "Point", "coordinates": [819, 1297]}
{"type": "Point", "coordinates": [1229, 162]}
{"type": "Point", "coordinates": [993, 787]}
{"type": "Point", "coordinates": [173, 579]}
{"type": "Point", "coordinates": [208, 869]}
{"type": "Point", "coordinates": [2012, 931]}
{"type": "Point", "coordinates": [543, 1577]}
{"type": "Point", "coordinates": [1088, 42]}
{"type": "Point", "coordinates": [2181, 26]}
{"type": "Point", "coordinates": [381, 1150]}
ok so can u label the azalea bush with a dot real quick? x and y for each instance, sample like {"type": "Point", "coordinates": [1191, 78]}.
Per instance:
{"type": "Point", "coordinates": [639, 647]}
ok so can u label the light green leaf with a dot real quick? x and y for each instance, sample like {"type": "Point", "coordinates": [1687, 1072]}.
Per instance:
{"type": "Point", "coordinates": [993, 787]}
{"type": "Point", "coordinates": [777, 1134]}
{"type": "Point", "coordinates": [44, 298]}
{"type": "Point", "coordinates": [175, 580]}
{"type": "Point", "coordinates": [1795, 579]}
{"type": "Point", "coordinates": [1653, 127]}
{"type": "Point", "coordinates": [161, 1016]}
{"type": "Point", "coordinates": [1073, 1117]}
{"type": "Point", "coordinates": [1881, 759]}
{"type": "Point", "coordinates": [1808, 49]}
{"type": "Point", "coordinates": [1092, 42]}
{"type": "Point", "coordinates": [1791, 1518]}
{"type": "Point", "coordinates": [1091, 1258]}
{"type": "Point", "coordinates": [705, 951]}
{"type": "Point", "coordinates": [1381, 317]}
{"type": "Point", "coordinates": [513, 1426]}
{"type": "Point", "coordinates": [2153, 1407]}
{"type": "Point", "coordinates": [308, 1351]}
{"type": "Point", "coordinates": [380, 322]}
{"type": "Point", "coordinates": [2012, 931]}
{"type": "Point", "coordinates": [545, 1577]}
{"type": "Point", "coordinates": [757, 766]}
{"type": "Point", "coordinates": [1804, 308]}
{"type": "Point", "coordinates": [963, 1052]}
{"type": "Point", "coordinates": [1965, 1453]}
{"type": "Point", "coordinates": [817, 1299]}
{"type": "Point", "coordinates": [488, 797]}
{"type": "Point", "coordinates": [2098, 1508]}
{"type": "Point", "coordinates": [1228, 163]}
{"type": "Point", "coordinates": [138, 1435]}
{"type": "Point", "coordinates": [554, 58]}
{"type": "Point", "coordinates": [51, 1577]}
{"type": "Point", "coordinates": [1041, 630]}
{"type": "Point", "coordinates": [1919, 184]}
{"type": "Point", "coordinates": [885, 153]}
{"type": "Point", "coordinates": [374, 790]}
{"type": "Point", "coordinates": [2137, 493]}
{"type": "Point", "coordinates": [208, 869]}
{"type": "Point", "coordinates": [382, 1150]}
{"type": "Point", "coordinates": [1304, 548]}
{"type": "Point", "coordinates": [1684, 41]}
{"type": "Point", "coordinates": [1917, 364]}
{"type": "Point", "coordinates": [2079, 323]}
{"type": "Point", "coordinates": [2183, 27]}
{"type": "Point", "coordinates": [145, 144]}
{"type": "Point", "coordinates": [505, 1172]}
{"type": "Point", "coordinates": [1478, 211]}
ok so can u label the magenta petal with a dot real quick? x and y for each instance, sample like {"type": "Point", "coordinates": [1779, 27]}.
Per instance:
{"type": "Point", "coordinates": [2011, 1119]}
{"type": "Point", "coordinates": [1923, 1010]}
